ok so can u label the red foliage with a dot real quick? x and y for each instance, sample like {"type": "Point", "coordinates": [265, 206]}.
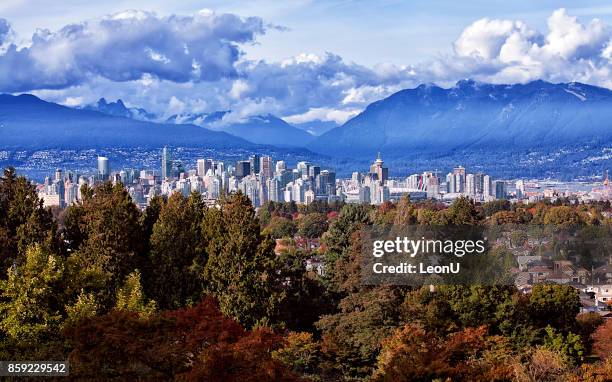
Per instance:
{"type": "Point", "coordinates": [196, 343]}
{"type": "Point", "coordinates": [602, 340]}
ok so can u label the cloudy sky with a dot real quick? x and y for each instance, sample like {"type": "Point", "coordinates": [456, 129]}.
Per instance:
{"type": "Point", "coordinates": [302, 60]}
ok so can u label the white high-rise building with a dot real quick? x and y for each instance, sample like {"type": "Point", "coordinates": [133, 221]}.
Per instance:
{"type": "Point", "coordinates": [103, 168]}
{"type": "Point", "coordinates": [470, 184]}
{"type": "Point", "coordinates": [201, 167]}
{"type": "Point", "coordinates": [486, 186]}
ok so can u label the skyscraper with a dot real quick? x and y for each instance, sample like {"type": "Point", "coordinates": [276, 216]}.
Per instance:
{"type": "Point", "coordinates": [201, 167]}
{"type": "Point", "coordinates": [103, 168]}
{"type": "Point", "coordinates": [243, 168]}
{"type": "Point", "coordinates": [254, 163]}
{"type": "Point", "coordinates": [266, 167]}
{"type": "Point", "coordinates": [166, 164]}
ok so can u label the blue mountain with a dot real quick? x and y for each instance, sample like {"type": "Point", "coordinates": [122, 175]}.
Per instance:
{"type": "Point", "coordinates": [430, 121]}
{"type": "Point", "coordinates": [261, 129]}
{"type": "Point", "coordinates": [29, 123]}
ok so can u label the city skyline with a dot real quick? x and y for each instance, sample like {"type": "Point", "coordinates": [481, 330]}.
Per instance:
{"type": "Point", "coordinates": [262, 180]}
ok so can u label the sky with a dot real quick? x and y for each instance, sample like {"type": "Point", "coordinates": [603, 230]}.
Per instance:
{"type": "Point", "coordinates": [302, 60]}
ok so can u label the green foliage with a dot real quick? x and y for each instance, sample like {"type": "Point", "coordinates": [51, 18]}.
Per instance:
{"type": "Point", "coordinates": [131, 298]}
{"type": "Point", "coordinates": [111, 244]}
{"type": "Point", "coordinates": [554, 305]}
{"type": "Point", "coordinates": [242, 268]}
{"type": "Point", "coordinates": [495, 206]}
{"type": "Point", "coordinates": [280, 227]}
{"type": "Point", "coordinates": [569, 345]}
{"type": "Point", "coordinates": [31, 295]}
{"type": "Point", "coordinates": [84, 307]}
{"type": "Point", "coordinates": [23, 220]}
{"type": "Point", "coordinates": [312, 225]}
{"type": "Point", "coordinates": [462, 212]}
{"type": "Point", "coordinates": [338, 238]}
{"type": "Point", "coordinates": [354, 335]}
{"type": "Point", "coordinates": [177, 253]}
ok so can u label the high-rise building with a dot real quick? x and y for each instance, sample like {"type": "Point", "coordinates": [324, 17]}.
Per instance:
{"type": "Point", "coordinates": [479, 183]}
{"type": "Point", "coordinates": [166, 164]}
{"type": "Point", "coordinates": [486, 187]}
{"type": "Point", "coordinates": [314, 171]}
{"type": "Point", "coordinates": [58, 174]}
{"type": "Point", "coordinates": [520, 188]}
{"type": "Point", "coordinates": [499, 187]}
{"type": "Point", "coordinates": [201, 167]}
{"type": "Point", "coordinates": [254, 163]}
{"type": "Point", "coordinates": [379, 172]}
{"type": "Point", "coordinates": [280, 167]}
{"type": "Point", "coordinates": [266, 169]}
{"type": "Point", "coordinates": [470, 184]}
{"type": "Point", "coordinates": [243, 168]}
{"type": "Point", "coordinates": [303, 168]}
{"type": "Point", "coordinates": [103, 168]}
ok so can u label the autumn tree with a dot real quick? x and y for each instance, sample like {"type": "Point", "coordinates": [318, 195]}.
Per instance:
{"type": "Point", "coordinates": [602, 340]}
{"type": "Point", "coordinates": [280, 227]}
{"type": "Point", "coordinates": [194, 343]}
{"type": "Point", "coordinates": [405, 212]}
{"type": "Point", "coordinates": [312, 225]}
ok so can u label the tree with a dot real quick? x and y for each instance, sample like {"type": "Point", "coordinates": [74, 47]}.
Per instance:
{"type": "Point", "coordinates": [462, 212]}
{"type": "Point", "coordinates": [562, 216]}
{"type": "Point", "coordinates": [242, 268]}
{"type": "Point", "coordinates": [405, 212]}
{"type": "Point", "coordinates": [280, 227]}
{"type": "Point", "coordinates": [30, 307]}
{"type": "Point", "coordinates": [301, 352]}
{"type": "Point", "coordinates": [195, 343]}
{"type": "Point", "coordinates": [602, 340]}
{"type": "Point", "coordinates": [23, 220]}
{"type": "Point", "coordinates": [177, 253]}
{"type": "Point", "coordinates": [338, 238]}
{"type": "Point", "coordinates": [312, 225]}
{"type": "Point", "coordinates": [84, 307]}
{"type": "Point", "coordinates": [111, 245]}
{"type": "Point", "coordinates": [554, 305]}
{"type": "Point", "coordinates": [569, 346]}
{"type": "Point", "coordinates": [413, 354]}
{"type": "Point", "coordinates": [131, 297]}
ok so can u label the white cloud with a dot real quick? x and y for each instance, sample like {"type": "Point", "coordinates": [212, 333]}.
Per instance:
{"type": "Point", "coordinates": [127, 46]}
{"type": "Point", "coordinates": [323, 114]}
{"type": "Point", "coordinates": [193, 64]}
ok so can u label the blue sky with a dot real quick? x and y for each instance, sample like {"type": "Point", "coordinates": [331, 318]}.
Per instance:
{"type": "Point", "coordinates": [303, 60]}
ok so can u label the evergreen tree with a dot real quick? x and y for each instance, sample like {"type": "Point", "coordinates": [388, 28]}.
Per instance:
{"type": "Point", "coordinates": [23, 220]}
{"type": "Point", "coordinates": [177, 253]}
{"type": "Point", "coordinates": [111, 242]}
{"type": "Point", "coordinates": [242, 271]}
{"type": "Point", "coordinates": [30, 307]}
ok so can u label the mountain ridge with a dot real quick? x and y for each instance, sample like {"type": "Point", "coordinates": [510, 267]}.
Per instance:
{"type": "Point", "coordinates": [429, 119]}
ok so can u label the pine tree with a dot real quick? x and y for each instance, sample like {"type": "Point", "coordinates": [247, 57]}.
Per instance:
{"type": "Point", "coordinates": [242, 268]}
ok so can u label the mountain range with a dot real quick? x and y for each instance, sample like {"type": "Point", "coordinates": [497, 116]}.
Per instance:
{"type": "Point", "coordinates": [537, 128]}
{"type": "Point", "coordinates": [27, 122]}
{"type": "Point", "coordinates": [473, 116]}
